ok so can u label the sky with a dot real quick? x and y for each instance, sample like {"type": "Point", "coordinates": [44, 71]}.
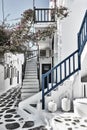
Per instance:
{"type": "Point", "coordinates": [14, 8]}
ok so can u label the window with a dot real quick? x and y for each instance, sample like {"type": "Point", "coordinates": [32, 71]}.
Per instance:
{"type": "Point", "coordinates": [45, 53]}
{"type": "Point", "coordinates": [42, 52]}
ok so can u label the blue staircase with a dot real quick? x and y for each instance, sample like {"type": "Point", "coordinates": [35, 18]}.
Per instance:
{"type": "Point", "coordinates": [67, 67]}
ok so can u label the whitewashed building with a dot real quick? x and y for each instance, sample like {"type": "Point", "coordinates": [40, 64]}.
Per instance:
{"type": "Point", "coordinates": [11, 71]}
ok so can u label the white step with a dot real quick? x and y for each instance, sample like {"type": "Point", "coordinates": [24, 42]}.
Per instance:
{"type": "Point", "coordinates": [31, 86]}
{"type": "Point", "coordinates": [30, 71]}
{"type": "Point", "coordinates": [27, 77]}
{"type": "Point", "coordinates": [30, 83]}
{"type": "Point", "coordinates": [34, 63]}
{"type": "Point", "coordinates": [31, 65]}
{"type": "Point", "coordinates": [30, 74]}
{"type": "Point", "coordinates": [32, 90]}
{"type": "Point", "coordinates": [30, 77]}
{"type": "Point", "coordinates": [32, 80]}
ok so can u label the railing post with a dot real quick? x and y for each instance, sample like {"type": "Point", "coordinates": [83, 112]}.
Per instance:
{"type": "Point", "coordinates": [52, 79]}
{"type": "Point", "coordinates": [60, 72]}
{"type": "Point", "coordinates": [47, 82]}
{"type": "Point", "coordinates": [56, 75]}
{"type": "Point", "coordinates": [73, 62]}
{"type": "Point", "coordinates": [65, 68]}
{"type": "Point", "coordinates": [86, 21]}
{"type": "Point", "coordinates": [43, 96]}
{"type": "Point", "coordinates": [79, 60]}
{"type": "Point", "coordinates": [79, 42]}
{"type": "Point", "coordinates": [69, 66]}
{"type": "Point", "coordinates": [79, 54]}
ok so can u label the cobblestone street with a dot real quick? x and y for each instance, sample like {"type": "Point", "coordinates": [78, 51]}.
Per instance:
{"type": "Point", "coordinates": [10, 119]}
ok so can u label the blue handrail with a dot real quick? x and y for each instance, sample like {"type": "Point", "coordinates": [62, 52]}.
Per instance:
{"type": "Point", "coordinates": [61, 72]}
{"type": "Point", "coordinates": [82, 35]}
{"type": "Point", "coordinates": [67, 67]}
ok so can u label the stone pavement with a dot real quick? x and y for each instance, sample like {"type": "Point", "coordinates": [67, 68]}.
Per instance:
{"type": "Point", "coordinates": [10, 119]}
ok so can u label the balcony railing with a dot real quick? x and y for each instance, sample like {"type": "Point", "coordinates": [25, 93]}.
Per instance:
{"type": "Point", "coordinates": [44, 15]}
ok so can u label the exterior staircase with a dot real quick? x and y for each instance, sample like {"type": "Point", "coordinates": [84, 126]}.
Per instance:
{"type": "Point", "coordinates": [30, 82]}
{"type": "Point", "coordinates": [66, 68]}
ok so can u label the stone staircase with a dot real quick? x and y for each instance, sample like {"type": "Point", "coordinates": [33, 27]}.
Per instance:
{"type": "Point", "coordinates": [30, 82]}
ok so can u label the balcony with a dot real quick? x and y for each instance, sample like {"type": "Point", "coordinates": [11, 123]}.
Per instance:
{"type": "Point", "coordinates": [42, 15]}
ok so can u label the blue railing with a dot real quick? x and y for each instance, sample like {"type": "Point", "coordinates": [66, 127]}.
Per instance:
{"type": "Point", "coordinates": [67, 67]}
{"type": "Point", "coordinates": [82, 35]}
{"type": "Point", "coordinates": [59, 74]}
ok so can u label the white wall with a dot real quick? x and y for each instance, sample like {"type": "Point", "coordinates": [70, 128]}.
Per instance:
{"type": "Point", "coordinates": [77, 85]}
{"type": "Point", "coordinates": [84, 61]}
{"type": "Point", "coordinates": [71, 25]}
{"type": "Point", "coordinates": [11, 61]}
{"type": "Point", "coordinates": [1, 78]}
{"type": "Point", "coordinates": [77, 88]}
{"type": "Point", "coordinates": [70, 28]}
